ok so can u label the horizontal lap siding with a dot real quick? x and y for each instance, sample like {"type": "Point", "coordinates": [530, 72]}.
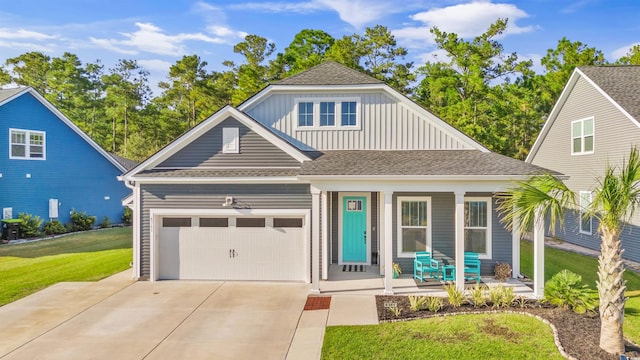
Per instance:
{"type": "Point", "coordinates": [263, 196]}
{"type": "Point", "coordinates": [206, 151]}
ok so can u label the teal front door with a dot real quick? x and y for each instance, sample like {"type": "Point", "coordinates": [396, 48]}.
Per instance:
{"type": "Point", "coordinates": [354, 229]}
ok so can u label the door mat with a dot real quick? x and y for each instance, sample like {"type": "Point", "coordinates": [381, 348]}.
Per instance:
{"type": "Point", "coordinates": [360, 268]}
{"type": "Point", "coordinates": [317, 303]}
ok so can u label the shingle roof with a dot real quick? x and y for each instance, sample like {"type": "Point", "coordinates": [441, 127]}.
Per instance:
{"type": "Point", "coordinates": [329, 73]}
{"type": "Point", "coordinates": [417, 163]}
{"type": "Point", "coordinates": [622, 83]}
{"type": "Point", "coordinates": [218, 173]}
{"type": "Point", "coordinates": [7, 93]}
{"type": "Point", "coordinates": [126, 163]}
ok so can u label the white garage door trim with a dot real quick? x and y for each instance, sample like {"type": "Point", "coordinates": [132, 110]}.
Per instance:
{"type": "Point", "coordinates": [157, 214]}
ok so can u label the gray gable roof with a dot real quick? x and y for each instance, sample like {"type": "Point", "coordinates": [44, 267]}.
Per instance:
{"type": "Point", "coordinates": [621, 83]}
{"type": "Point", "coordinates": [329, 73]}
{"type": "Point", "coordinates": [218, 173]}
{"type": "Point", "coordinates": [128, 164]}
{"type": "Point", "coordinates": [7, 93]}
{"type": "Point", "coordinates": [418, 163]}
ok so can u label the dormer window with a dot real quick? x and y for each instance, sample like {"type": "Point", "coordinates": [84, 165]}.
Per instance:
{"type": "Point", "coordinates": [27, 144]}
{"type": "Point", "coordinates": [230, 140]}
{"type": "Point", "coordinates": [322, 113]}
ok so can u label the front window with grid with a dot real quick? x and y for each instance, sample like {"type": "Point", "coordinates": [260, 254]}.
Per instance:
{"type": "Point", "coordinates": [327, 113]}
{"type": "Point", "coordinates": [305, 114]}
{"type": "Point", "coordinates": [26, 144]}
{"type": "Point", "coordinates": [477, 226]}
{"type": "Point", "coordinates": [348, 113]}
{"type": "Point", "coordinates": [582, 136]}
{"type": "Point", "coordinates": [414, 232]}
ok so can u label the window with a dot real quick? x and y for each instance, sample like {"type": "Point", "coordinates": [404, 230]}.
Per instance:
{"type": "Point", "coordinates": [230, 140]}
{"type": "Point", "coordinates": [26, 144]}
{"type": "Point", "coordinates": [354, 205]}
{"type": "Point", "coordinates": [287, 222]}
{"type": "Point", "coordinates": [585, 222]}
{"type": "Point", "coordinates": [176, 222]}
{"type": "Point", "coordinates": [414, 231]}
{"type": "Point", "coordinates": [327, 113]}
{"type": "Point", "coordinates": [477, 226]}
{"type": "Point", "coordinates": [250, 222]}
{"type": "Point", "coordinates": [582, 136]}
{"type": "Point", "coordinates": [214, 222]}
{"type": "Point", "coordinates": [348, 113]}
{"type": "Point", "coordinates": [305, 114]}
{"type": "Point", "coordinates": [319, 113]}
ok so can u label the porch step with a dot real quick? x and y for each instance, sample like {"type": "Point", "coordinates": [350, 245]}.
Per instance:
{"type": "Point", "coordinates": [359, 268]}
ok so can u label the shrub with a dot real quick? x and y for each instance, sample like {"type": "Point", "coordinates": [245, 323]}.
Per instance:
{"type": "Point", "coordinates": [502, 271]}
{"type": "Point", "coordinates": [417, 303]}
{"type": "Point", "coordinates": [396, 311]}
{"type": "Point", "coordinates": [501, 296]}
{"type": "Point", "coordinates": [478, 295]}
{"type": "Point", "coordinates": [29, 225]}
{"type": "Point", "coordinates": [81, 221]}
{"type": "Point", "coordinates": [105, 223]}
{"type": "Point", "coordinates": [565, 289]}
{"type": "Point", "coordinates": [127, 215]}
{"type": "Point", "coordinates": [456, 297]}
{"type": "Point", "coordinates": [54, 227]}
{"type": "Point", "coordinates": [434, 303]}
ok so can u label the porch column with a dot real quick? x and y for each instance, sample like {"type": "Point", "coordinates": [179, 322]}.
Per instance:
{"type": "Point", "coordinates": [459, 239]}
{"type": "Point", "coordinates": [538, 254]}
{"type": "Point", "coordinates": [388, 242]}
{"type": "Point", "coordinates": [381, 227]}
{"type": "Point", "coordinates": [315, 240]}
{"type": "Point", "coordinates": [515, 248]}
{"type": "Point", "coordinates": [325, 237]}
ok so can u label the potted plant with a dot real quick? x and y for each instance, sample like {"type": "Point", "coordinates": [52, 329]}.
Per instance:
{"type": "Point", "coordinates": [397, 270]}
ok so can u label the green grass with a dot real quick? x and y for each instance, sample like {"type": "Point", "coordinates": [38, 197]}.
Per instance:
{"type": "Point", "coordinates": [485, 336]}
{"type": "Point", "coordinates": [556, 260]}
{"type": "Point", "coordinates": [89, 256]}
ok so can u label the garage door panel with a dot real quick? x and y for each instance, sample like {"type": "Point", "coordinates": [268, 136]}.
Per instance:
{"type": "Point", "coordinates": [232, 253]}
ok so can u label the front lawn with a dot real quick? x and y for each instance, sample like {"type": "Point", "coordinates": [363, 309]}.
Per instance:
{"type": "Point", "coordinates": [482, 336]}
{"type": "Point", "coordinates": [88, 256]}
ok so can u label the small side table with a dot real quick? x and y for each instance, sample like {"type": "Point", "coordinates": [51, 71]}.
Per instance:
{"type": "Point", "coordinates": [448, 273]}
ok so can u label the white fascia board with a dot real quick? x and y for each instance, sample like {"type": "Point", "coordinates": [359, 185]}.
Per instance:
{"type": "Point", "coordinates": [230, 211]}
{"type": "Point", "coordinates": [69, 123]}
{"type": "Point", "coordinates": [401, 178]}
{"type": "Point", "coordinates": [219, 180]}
{"type": "Point", "coordinates": [209, 124]}
{"type": "Point", "coordinates": [554, 114]}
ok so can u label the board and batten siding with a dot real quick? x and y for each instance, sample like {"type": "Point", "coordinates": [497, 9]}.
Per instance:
{"type": "Point", "coordinates": [208, 196]}
{"type": "Point", "coordinates": [206, 151]}
{"type": "Point", "coordinates": [385, 124]}
{"type": "Point", "coordinates": [614, 135]}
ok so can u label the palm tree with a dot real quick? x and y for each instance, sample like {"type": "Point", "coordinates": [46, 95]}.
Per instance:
{"type": "Point", "coordinates": [616, 199]}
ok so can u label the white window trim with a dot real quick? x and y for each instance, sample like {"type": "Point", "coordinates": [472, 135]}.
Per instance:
{"type": "Point", "coordinates": [400, 199]}
{"type": "Point", "coordinates": [489, 201]}
{"type": "Point", "coordinates": [337, 124]}
{"type": "Point", "coordinates": [27, 150]}
{"type": "Point", "coordinates": [581, 212]}
{"type": "Point", "coordinates": [582, 136]}
{"type": "Point", "coordinates": [230, 140]}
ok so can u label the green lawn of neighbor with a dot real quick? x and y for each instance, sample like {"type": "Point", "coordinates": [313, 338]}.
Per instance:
{"type": "Point", "coordinates": [482, 336]}
{"type": "Point", "coordinates": [87, 256]}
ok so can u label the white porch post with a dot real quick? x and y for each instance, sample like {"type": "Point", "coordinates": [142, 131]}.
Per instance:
{"type": "Point", "coordinates": [388, 242]}
{"type": "Point", "coordinates": [538, 254]}
{"type": "Point", "coordinates": [459, 239]}
{"type": "Point", "coordinates": [515, 248]}
{"type": "Point", "coordinates": [325, 237]}
{"type": "Point", "coordinates": [381, 228]}
{"type": "Point", "coordinates": [315, 240]}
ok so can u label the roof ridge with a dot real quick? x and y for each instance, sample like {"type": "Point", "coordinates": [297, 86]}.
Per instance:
{"type": "Point", "coordinates": [329, 72]}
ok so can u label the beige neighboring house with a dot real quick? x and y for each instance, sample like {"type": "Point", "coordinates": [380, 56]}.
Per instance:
{"type": "Point", "coordinates": [595, 122]}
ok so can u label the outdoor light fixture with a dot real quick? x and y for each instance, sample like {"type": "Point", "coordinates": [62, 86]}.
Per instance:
{"type": "Point", "coordinates": [228, 201]}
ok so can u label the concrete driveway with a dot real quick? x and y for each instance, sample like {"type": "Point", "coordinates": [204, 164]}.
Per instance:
{"type": "Point", "coordinates": [120, 319]}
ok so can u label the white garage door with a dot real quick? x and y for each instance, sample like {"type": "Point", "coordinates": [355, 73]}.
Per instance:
{"type": "Point", "coordinates": [231, 248]}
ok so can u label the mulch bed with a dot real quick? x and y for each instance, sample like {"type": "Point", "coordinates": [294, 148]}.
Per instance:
{"type": "Point", "coordinates": [579, 335]}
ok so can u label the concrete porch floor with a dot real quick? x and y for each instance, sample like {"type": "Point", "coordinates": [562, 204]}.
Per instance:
{"type": "Point", "coordinates": [370, 282]}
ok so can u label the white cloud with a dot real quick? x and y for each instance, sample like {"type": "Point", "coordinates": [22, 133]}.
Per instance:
{"type": "Point", "coordinates": [433, 56]}
{"type": "Point", "coordinates": [278, 7]}
{"type": "Point", "coordinates": [26, 46]}
{"type": "Point", "coordinates": [151, 39]}
{"type": "Point", "coordinates": [155, 65]}
{"type": "Point", "coordinates": [226, 33]}
{"type": "Point", "coordinates": [622, 51]}
{"type": "Point", "coordinates": [24, 34]}
{"type": "Point", "coordinates": [467, 20]}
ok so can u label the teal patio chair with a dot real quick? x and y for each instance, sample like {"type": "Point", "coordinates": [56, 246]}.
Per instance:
{"type": "Point", "coordinates": [424, 264]}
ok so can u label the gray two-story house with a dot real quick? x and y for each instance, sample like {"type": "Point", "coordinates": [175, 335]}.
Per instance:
{"type": "Point", "coordinates": [595, 123]}
{"type": "Point", "coordinates": [327, 167]}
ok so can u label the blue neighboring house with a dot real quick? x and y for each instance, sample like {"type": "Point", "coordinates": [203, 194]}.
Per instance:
{"type": "Point", "coordinates": [48, 166]}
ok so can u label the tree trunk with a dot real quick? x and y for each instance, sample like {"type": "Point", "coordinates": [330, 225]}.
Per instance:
{"type": "Point", "coordinates": [611, 289]}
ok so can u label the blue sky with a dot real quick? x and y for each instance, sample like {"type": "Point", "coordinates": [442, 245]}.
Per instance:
{"type": "Point", "coordinates": [157, 33]}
